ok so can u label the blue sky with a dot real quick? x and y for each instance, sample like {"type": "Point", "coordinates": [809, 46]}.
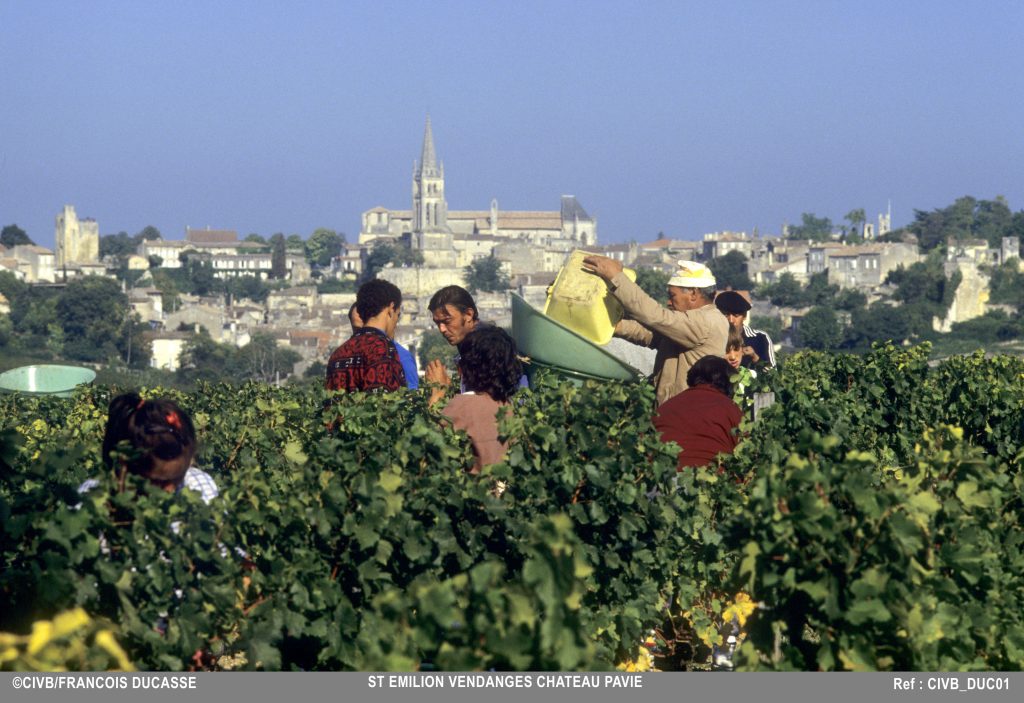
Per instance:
{"type": "Point", "coordinates": [675, 117]}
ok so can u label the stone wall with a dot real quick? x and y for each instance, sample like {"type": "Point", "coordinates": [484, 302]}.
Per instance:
{"type": "Point", "coordinates": [971, 298]}
{"type": "Point", "coordinates": [420, 282]}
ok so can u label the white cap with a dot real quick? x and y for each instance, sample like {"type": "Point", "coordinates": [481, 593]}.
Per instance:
{"type": "Point", "coordinates": [692, 275]}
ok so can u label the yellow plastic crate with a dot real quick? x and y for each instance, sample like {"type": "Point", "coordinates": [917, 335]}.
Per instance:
{"type": "Point", "coordinates": [581, 301]}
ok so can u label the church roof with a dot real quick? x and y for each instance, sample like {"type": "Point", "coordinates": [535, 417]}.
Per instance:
{"type": "Point", "coordinates": [571, 209]}
{"type": "Point", "coordinates": [428, 158]}
{"type": "Point", "coordinates": [511, 219]}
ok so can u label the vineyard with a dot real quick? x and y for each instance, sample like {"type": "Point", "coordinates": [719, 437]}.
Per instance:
{"type": "Point", "coordinates": [870, 519]}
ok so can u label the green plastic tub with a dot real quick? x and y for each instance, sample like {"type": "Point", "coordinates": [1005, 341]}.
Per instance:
{"type": "Point", "coordinates": [45, 379]}
{"type": "Point", "coordinates": [552, 345]}
{"type": "Point", "coordinates": [533, 367]}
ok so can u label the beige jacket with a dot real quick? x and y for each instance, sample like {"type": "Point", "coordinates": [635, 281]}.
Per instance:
{"type": "Point", "coordinates": [679, 337]}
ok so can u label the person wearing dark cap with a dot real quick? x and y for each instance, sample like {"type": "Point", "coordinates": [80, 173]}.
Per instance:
{"type": "Point", "coordinates": [757, 345]}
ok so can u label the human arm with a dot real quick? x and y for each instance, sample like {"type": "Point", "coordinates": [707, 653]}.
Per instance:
{"type": "Point", "coordinates": [634, 332]}
{"type": "Point", "coordinates": [761, 344]}
{"type": "Point", "coordinates": [608, 269]}
{"type": "Point", "coordinates": [688, 328]}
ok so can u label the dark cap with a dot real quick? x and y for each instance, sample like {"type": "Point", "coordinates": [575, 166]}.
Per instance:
{"type": "Point", "coordinates": [732, 302]}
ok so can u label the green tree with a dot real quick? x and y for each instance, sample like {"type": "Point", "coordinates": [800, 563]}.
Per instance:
{"type": "Point", "coordinates": [336, 285]}
{"type": "Point", "coordinates": [249, 287]}
{"type": "Point", "coordinates": [13, 235]}
{"type": "Point", "coordinates": [730, 271]}
{"type": "Point", "coordinates": [993, 220]}
{"type": "Point", "coordinates": [925, 282]}
{"type": "Point", "coordinates": [278, 257]}
{"type": "Point", "coordinates": [93, 312]}
{"type": "Point", "coordinates": [32, 311]}
{"type": "Point", "coordinates": [819, 291]}
{"type": "Point", "coordinates": [203, 359]}
{"type": "Point", "coordinates": [387, 253]}
{"type": "Point", "coordinates": [770, 325]}
{"type": "Point", "coordinates": [257, 238]}
{"type": "Point", "coordinates": [1006, 284]}
{"type": "Point", "coordinates": [653, 282]}
{"type": "Point", "coordinates": [6, 330]}
{"type": "Point", "coordinates": [119, 245]}
{"type": "Point", "coordinates": [850, 299]}
{"type": "Point", "coordinates": [295, 243]}
{"type": "Point", "coordinates": [485, 274]}
{"type": "Point", "coordinates": [324, 245]}
{"type": "Point", "coordinates": [785, 292]}
{"type": "Point", "coordinates": [819, 329]}
{"type": "Point", "coordinates": [818, 229]}
{"type": "Point", "coordinates": [135, 346]}
{"type": "Point", "coordinates": [200, 274]}
{"type": "Point", "coordinates": [878, 323]}
{"type": "Point", "coordinates": [992, 327]}
{"type": "Point", "coordinates": [856, 218]}
{"type": "Point", "coordinates": [155, 261]}
{"type": "Point", "coordinates": [148, 233]}
{"type": "Point", "coordinates": [967, 218]}
{"type": "Point", "coordinates": [11, 287]}
{"type": "Point", "coordinates": [262, 359]}
{"type": "Point", "coordinates": [317, 369]}
{"type": "Point", "coordinates": [167, 284]}
{"type": "Point", "coordinates": [924, 291]}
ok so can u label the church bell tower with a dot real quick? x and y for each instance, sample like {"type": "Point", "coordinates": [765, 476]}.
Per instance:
{"type": "Point", "coordinates": [430, 211]}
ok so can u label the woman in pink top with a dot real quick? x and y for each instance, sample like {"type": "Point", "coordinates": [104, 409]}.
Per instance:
{"type": "Point", "coordinates": [490, 371]}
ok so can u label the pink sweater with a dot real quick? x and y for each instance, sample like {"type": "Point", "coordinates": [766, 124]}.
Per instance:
{"type": "Point", "coordinates": [476, 415]}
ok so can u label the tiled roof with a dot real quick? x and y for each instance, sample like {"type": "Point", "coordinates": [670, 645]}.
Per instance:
{"type": "Point", "coordinates": [211, 236]}
{"type": "Point", "coordinates": [33, 248]}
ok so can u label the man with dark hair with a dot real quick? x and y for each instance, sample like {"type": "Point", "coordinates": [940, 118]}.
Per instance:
{"type": "Point", "coordinates": [369, 360]}
{"type": "Point", "coordinates": [454, 312]}
{"type": "Point", "coordinates": [456, 316]}
{"type": "Point", "coordinates": [688, 329]}
{"type": "Point", "coordinates": [702, 419]}
{"type": "Point", "coordinates": [412, 379]}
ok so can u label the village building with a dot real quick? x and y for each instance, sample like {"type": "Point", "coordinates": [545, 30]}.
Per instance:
{"type": "Point", "coordinates": [228, 256]}
{"type": "Point", "coordinates": [35, 263]}
{"type": "Point", "coordinates": [868, 265]}
{"type": "Point", "coordinates": [718, 244]}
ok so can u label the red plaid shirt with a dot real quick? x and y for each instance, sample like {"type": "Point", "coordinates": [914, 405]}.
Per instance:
{"type": "Point", "coordinates": [367, 361]}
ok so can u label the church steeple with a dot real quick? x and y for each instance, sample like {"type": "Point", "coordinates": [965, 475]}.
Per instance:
{"type": "Point", "coordinates": [429, 208]}
{"type": "Point", "coordinates": [428, 158]}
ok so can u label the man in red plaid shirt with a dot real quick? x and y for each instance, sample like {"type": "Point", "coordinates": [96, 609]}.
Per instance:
{"type": "Point", "coordinates": [369, 360]}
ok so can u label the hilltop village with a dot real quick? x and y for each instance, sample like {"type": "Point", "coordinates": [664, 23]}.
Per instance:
{"type": "Point", "coordinates": [297, 292]}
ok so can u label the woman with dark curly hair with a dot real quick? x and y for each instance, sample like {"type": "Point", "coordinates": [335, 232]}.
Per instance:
{"type": "Point", "coordinates": [490, 370]}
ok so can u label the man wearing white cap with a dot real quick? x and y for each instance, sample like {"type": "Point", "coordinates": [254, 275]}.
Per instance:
{"type": "Point", "coordinates": [690, 327]}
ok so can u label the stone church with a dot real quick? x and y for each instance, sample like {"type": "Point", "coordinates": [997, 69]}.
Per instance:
{"type": "Point", "coordinates": [450, 239]}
